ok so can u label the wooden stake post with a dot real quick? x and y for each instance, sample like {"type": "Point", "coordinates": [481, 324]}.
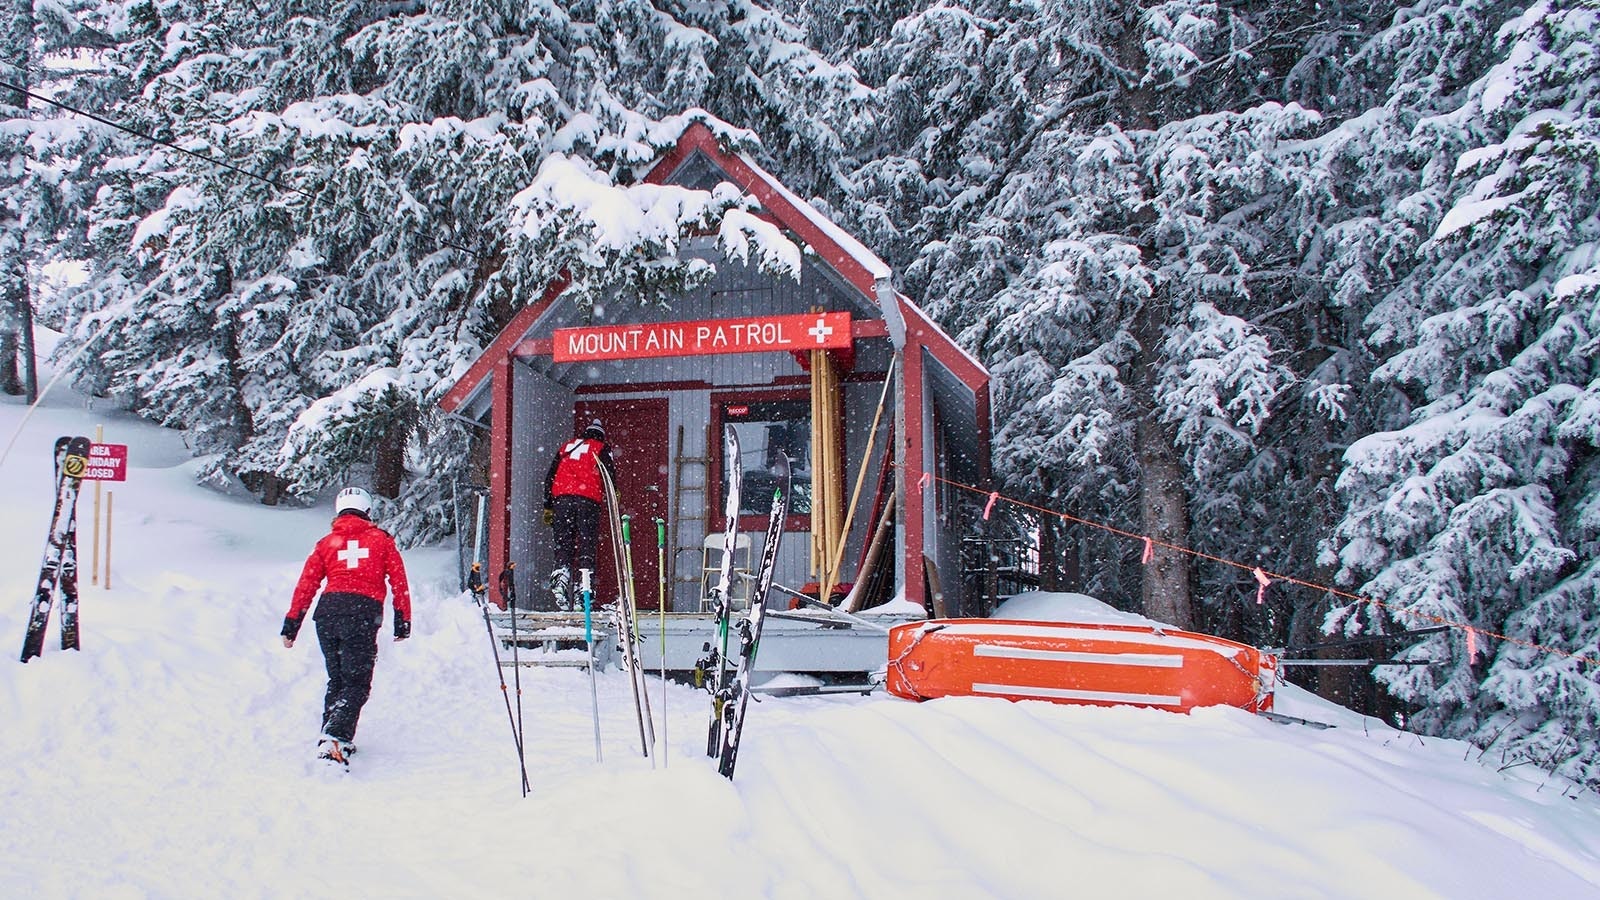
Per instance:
{"type": "Point", "coordinates": [109, 497]}
{"type": "Point", "coordinates": [94, 552]}
{"type": "Point", "coordinates": [106, 462]}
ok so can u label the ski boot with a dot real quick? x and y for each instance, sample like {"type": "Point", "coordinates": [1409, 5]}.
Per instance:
{"type": "Point", "coordinates": [332, 751]}
{"type": "Point", "coordinates": [561, 586]}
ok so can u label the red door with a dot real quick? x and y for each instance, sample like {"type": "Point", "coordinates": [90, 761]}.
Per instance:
{"type": "Point", "coordinates": [636, 433]}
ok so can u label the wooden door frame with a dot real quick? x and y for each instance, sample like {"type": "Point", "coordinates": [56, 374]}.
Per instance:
{"type": "Point", "coordinates": [644, 556]}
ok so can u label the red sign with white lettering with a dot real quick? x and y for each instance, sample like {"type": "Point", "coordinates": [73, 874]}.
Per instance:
{"type": "Point", "coordinates": [811, 331]}
{"type": "Point", "coordinates": [107, 462]}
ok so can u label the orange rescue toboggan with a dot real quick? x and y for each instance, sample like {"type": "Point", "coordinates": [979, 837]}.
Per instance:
{"type": "Point", "coordinates": [1086, 663]}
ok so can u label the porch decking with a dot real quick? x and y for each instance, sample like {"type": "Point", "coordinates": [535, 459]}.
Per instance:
{"type": "Point", "coordinates": [791, 641]}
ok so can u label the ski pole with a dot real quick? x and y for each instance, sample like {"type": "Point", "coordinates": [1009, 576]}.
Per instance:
{"type": "Point", "coordinates": [628, 608]}
{"type": "Point", "coordinates": [508, 589]}
{"type": "Point", "coordinates": [661, 609]}
{"type": "Point", "coordinates": [588, 638]}
{"type": "Point", "coordinates": [477, 587]}
{"type": "Point", "coordinates": [475, 575]}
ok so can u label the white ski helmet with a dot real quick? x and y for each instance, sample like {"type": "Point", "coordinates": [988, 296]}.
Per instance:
{"type": "Point", "coordinates": [352, 499]}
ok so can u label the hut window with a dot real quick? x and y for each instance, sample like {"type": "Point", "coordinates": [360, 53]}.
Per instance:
{"type": "Point", "coordinates": [765, 428]}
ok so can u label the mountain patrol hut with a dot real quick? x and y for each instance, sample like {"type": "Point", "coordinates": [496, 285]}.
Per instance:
{"type": "Point", "coordinates": [794, 366]}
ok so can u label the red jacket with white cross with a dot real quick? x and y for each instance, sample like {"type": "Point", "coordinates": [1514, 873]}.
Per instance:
{"type": "Point", "coordinates": [357, 557]}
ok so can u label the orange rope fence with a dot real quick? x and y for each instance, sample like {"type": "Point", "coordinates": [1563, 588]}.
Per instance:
{"type": "Point", "coordinates": [1263, 578]}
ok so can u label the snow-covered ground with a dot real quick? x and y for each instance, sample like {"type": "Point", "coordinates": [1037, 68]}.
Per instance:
{"type": "Point", "coordinates": [171, 757]}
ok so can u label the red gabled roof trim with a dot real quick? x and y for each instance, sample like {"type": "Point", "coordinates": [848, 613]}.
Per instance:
{"type": "Point", "coordinates": [943, 348]}
{"type": "Point", "coordinates": [700, 137]}
{"type": "Point", "coordinates": [775, 202]}
{"type": "Point", "coordinates": [501, 346]}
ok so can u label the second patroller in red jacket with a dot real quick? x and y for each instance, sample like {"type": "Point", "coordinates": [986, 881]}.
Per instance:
{"type": "Point", "coordinates": [361, 565]}
{"type": "Point", "coordinates": [575, 472]}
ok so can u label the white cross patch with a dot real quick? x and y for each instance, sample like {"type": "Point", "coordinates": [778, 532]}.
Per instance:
{"type": "Point", "coordinates": [820, 331]}
{"type": "Point", "coordinates": [353, 553]}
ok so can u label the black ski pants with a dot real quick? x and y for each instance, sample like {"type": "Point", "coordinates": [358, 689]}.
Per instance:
{"type": "Point", "coordinates": [350, 649]}
{"type": "Point", "coordinates": [576, 530]}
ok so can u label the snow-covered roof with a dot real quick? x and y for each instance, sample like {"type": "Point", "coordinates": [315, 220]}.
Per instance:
{"type": "Point", "coordinates": [836, 248]}
{"type": "Point", "coordinates": [856, 250]}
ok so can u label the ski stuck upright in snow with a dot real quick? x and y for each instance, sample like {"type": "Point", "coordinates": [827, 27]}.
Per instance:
{"type": "Point", "coordinates": [711, 670]}
{"type": "Point", "coordinates": [59, 569]}
{"type": "Point", "coordinates": [626, 610]}
{"type": "Point", "coordinates": [736, 694]}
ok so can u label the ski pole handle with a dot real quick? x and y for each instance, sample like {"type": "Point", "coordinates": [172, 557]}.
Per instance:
{"type": "Point", "coordinates": [583, 586]}
{"type": "Point", "coordinates": [627, 530]}
{"type": "Point", "coordinates": [661, 532]}
{"type": "Point", "coordinates": [508, 585]}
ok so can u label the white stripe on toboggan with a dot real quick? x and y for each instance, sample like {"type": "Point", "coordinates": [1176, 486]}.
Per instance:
{"type": "Point", "coordinates": [1105, 696]}
{"type": "Point", "coordinates": [1143, 660]}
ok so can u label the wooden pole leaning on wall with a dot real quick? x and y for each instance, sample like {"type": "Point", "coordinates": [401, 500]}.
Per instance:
{"type": "Point", "coordinates": [835, 471]}
{"type": "Point", "coordinates": [827, 487]}
{"type": "Point", "coordinates": [819, 474]}
{"type": "Point", "coordinates": [880, 535]}
{"type": "Point", "coordinates": [814, 565]}
{"type": "Point", "coordinates": [861, 475]}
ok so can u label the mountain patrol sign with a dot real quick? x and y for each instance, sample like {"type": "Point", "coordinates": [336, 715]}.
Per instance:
{"type": "Point", "coordinates": [760, 334]}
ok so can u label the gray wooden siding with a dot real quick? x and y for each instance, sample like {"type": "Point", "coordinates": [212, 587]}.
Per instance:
{"type": "Point", "coordinates": [545, 393]}
{"type": "Point", "coordinates": [540, 422]}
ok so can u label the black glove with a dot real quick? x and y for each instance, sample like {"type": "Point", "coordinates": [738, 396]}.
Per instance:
{"type": "Point", "coordinates": [549, 516]}
{"type": "Point", "coordinates": [291, 627]}
{"type": "Point", "coordinates": [402, 629]}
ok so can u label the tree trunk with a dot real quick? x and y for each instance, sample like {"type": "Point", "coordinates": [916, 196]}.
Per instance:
{"type": "Point", "coordinates": [1049, 571]}
{"type": "Point", "coordinates": [18, 374]}
{"type": "Point", "coordinates": [16, 345]}
{"type": "Point", "coordinates": [271, 489]}
{"type": "Point", "coordinates": [1070, 544]}
{"type": "Point", "coordinates": [388, 465]}
{"type": "Point", "coordinates": [1163, 499]}
{"type": "Point", "coordinates": [1164, 516]}
{"type": "Point", "coordinates": [10, 377]}
{"type": "Point", "coordinates": [29, 363]}
{"type": "Point", "coordinates": [239, 416]}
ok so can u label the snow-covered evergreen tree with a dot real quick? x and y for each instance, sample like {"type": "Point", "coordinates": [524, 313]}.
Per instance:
{"type": "Point", "coordinates": [1206, 247]}
{"type": "Point", "coordinates": [1479, 509]}
{"type": "Point", "coordinates": [16, 314]}
{"type": "Point", "coordinates": [1088, 192]}
{"type": "Point", "coordinates": [299, 308]}
{"type": "Point", "coordinates": [46, 160]}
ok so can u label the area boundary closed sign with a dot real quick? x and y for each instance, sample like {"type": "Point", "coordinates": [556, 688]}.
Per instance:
{"type": "Point", "coordinates": [808, 331]}
{"type": "Point", "coordinates": [107, 462]}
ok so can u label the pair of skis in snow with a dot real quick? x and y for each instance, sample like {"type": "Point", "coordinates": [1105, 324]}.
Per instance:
{"type": "Point", "coordinates": [626, 613]}
{"type": "Point", "coordinates": [730, 684]}
{"type": "Point", "coordinates": [59, 570]}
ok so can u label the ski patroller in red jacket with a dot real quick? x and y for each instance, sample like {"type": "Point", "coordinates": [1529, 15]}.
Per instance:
{"type": "Point", "coordinates": [576, 470]}
{"type": "Point", "coordinates": [357, 557]}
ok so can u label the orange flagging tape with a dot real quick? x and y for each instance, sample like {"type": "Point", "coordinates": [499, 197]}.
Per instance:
{"type": "Point", "coordinates": [1264, 578]}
